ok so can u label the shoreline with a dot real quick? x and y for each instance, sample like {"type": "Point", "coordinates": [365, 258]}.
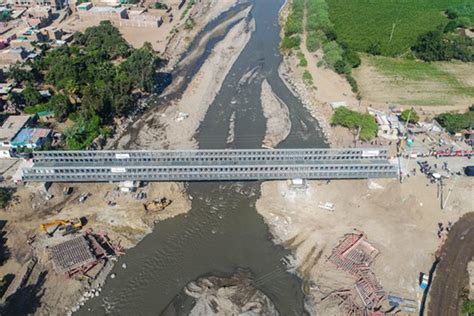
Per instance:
{"type": "Point", "coordinates": [174, 126]}
{"type": "Point", "coordinates": [278, 125]}
{"type": "Point", "coordinates": [208, 70]}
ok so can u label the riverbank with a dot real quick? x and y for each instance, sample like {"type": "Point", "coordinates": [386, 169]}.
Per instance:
{"type": "Point", "coordinates": [318, 93]}
{"type": "Point", "coordinates": [392, 215]}
{"type": "Point", "coordinates": [121, 216]}
{"type": "Point", "coordinates": [174, 126]}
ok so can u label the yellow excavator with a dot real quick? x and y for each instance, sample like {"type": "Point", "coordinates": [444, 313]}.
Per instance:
{"type": "Point", "coordinates": [157, 205]}
{"type": "Point", "coordinates": [67, 226]}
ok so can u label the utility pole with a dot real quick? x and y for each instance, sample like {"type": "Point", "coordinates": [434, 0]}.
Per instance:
{"type": "Point", "coordinates": [441, 184]}
{"type": "Point", "coordinates": [449, 193]}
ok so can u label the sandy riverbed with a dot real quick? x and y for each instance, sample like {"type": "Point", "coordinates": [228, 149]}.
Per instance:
{"type": "Point", "coordinates": [399, 220]}
{"type": "Point", "coordinates": [277, 115]}
{"type": "Point", "coordinates": [174, 127]}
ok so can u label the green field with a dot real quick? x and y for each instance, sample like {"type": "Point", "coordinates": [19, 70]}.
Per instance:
{"type": "Point", "coordinates": [395, 24]}
{"type": "Point", "coordinates": [412, 70]}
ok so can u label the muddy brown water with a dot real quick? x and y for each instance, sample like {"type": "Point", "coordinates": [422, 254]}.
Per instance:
{"type": "Point", "coordinates": [223, 230]}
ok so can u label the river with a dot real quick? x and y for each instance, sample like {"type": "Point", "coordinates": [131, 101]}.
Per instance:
{"type": "Point", "coordinates": [223, 231]}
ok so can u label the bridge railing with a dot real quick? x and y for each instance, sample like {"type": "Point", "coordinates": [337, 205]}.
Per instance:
{"type": "Point", "coordinates": [205, 156]}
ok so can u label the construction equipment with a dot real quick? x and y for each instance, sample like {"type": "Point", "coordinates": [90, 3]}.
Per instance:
{"type": "Point", "coordinates": [67, 226]}
{"type": "Point", "coordinates": [157, 205]}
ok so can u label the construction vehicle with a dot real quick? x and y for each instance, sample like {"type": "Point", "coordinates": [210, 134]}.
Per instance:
{"type": "Point", "coordinates": [67, 226]}
{"type": "Point", "coordinates": [157, 205]}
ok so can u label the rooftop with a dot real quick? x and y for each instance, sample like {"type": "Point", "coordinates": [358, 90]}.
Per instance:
{"type": "Point", "coordinates": [12, 125]}
{"type": "Point", "coordinates": [106, 10]}
{"type": "Point", "coordinates": [30, 136]}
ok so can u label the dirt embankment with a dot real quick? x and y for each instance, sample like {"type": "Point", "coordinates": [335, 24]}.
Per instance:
{"type": "Point", "coordinates": [392, 215]}
{"type": "Point", "coordinates": [36, 287]}
{"type": "Point", "coordinates": [174, 127]}
{"type": "Point", "coordinates": [202, 13]}
{"type": "Point", "coordinates": [316, 96]}
{"type": "Point", "coordinates": [277, 115]}
{"type": "Point", "coordinates": [450, 283]}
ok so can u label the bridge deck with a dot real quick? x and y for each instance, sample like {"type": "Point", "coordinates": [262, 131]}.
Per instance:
{"type": "Point", "coordinates": [90, 166]}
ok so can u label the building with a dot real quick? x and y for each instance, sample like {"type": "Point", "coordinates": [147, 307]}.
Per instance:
{"type": "Point", "coordinates": [39, 16]}
{"type": "Point", "coordinates": [5, 41]}
{"type": "Point", "coordinates": [138, 18]}
{"type": "Point", "coordinates": [104, 13]}
{"type": "Point", "coordinates": [11, 127]}
{"type": "Point", "coordinates": [57, 4]}
{"type": "Point", "coordinates": [31, 138]}
{"type": "Point", "coordinates": [84, 6]}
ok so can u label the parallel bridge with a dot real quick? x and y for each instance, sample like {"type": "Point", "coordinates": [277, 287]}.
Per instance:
{"type": "Point", "coordinates": [209, 165]}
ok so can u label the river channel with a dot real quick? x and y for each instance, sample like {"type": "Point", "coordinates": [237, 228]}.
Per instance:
{"type": "Point", "coordinates": [223, 231]}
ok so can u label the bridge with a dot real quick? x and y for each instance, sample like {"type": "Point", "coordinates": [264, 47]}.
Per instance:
{"type": "Point", "coordinates": [209, 165]}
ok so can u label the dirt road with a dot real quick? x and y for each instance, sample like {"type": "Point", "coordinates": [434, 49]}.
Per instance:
{"type": "Point", "coordinates": [451, 276]}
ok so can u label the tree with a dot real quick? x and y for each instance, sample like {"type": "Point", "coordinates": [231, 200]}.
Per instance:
{"type": "Point", "coordinates": [141, 68]}
{"type": "Point", "coordinates": [104, 41]}
{"type": "Point", "coordinates": [431, 46]}
{"type": "Point", "coordinates": [60, 105]}
{"type": "Point", "coordinates": [355, 120]}
{"type": "Point", "coordinates": [31, 96]}
{"type": "Point", "coordinates": [6, 195]}
{"type": "Point", "coordinates": [374, 49]}
{"type": "Point", "coordinates": [341, 67]}
{"type": "Point", "coordinates": [454, 122]}
{"type": "Point", "coordinates": [17, 73]}
{"type": "Point", "coordinates": [351, 57]}
{"type": "Point", "coordinates": [410, 116]}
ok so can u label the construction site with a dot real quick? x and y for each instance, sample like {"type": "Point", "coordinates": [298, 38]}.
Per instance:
{"type": "Point", "coordinates": [62, 241]}
{"type": "Point", "coordinates": [369, 247]}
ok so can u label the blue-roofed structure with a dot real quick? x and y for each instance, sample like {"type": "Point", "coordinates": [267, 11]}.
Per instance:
{"type": "Point", "coordinates": [31, 137]}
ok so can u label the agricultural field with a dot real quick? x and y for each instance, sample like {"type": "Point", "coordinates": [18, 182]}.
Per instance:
{"type": "Point", "coordinates": [395, 25]}
{"type": "Point", "coordinates": [415, 83]}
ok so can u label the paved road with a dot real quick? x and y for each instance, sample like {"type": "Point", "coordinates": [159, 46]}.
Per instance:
{"type": "Point", "coordinates": [451, 275]}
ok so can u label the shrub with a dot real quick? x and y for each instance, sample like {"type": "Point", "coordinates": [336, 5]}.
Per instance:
{"type": "Point", "coordinates": [351, 119]}
{"type": "Point", "coordinates": [468, 307]}
{"type": "Point", "coordinates": [454, 122]}
{"type": "Point", "coordinates": [341, 67]}
{"type": "Point", "coordinates": [374, 48]}
{"type": "Point", "coordinates": [409, 116]}
{"type": "Point", "coordinates": [353, 83]}
{"type": "Point", "coordinates": [159, 5]}
{"type": "Point", "coordinates": [6, 195]}
{"type": "Point", "coordinates": [307, 77]}
{"type": "Point", "coordinates": [351, 57]}
{"type": "Point", "coordinates": [332, 53]}
{"type": "Point", "coordinates": [303, 61]}
{"type": "Point", "coordinates": [290, 42]}
{"type": "Point", "coordinates": [313, 41]}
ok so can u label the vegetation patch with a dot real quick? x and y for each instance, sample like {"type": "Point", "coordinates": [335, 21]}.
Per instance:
{"type": "Point", "coordinates": [412, 70]}
{"type": "Point", "coordinates": [455, 122]}
{"type": "Point", "coordinates": [321, 34]}
{"type": "Point", "coordinates": [393, 26]}
{"type": "Point", "coordinates": [302, 59]}
{"type": "Point", "coordinates": [293, 26]}
{"type": "Point", "coordinates": [467, 308]}
{"type": "Point", "coordinates": [307, 77]}
{"type": "Point", "coordinates": [6, 196]}
{"type": "Point", "coordinates": [93, 81]}
{"type": "Point", "coordinates": [354, 120]}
